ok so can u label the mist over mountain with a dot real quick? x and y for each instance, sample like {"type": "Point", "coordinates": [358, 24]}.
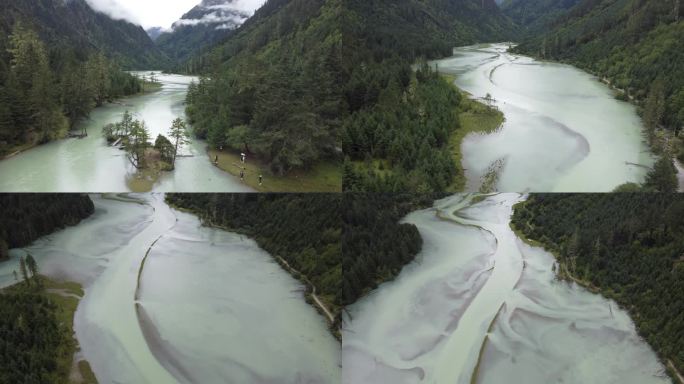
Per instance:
{"type": "Point", "coordinates": [203, 26]}
{"type": "Point", "coordinates": [75, 25]}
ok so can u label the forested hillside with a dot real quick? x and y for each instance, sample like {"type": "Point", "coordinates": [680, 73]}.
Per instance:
{"type": "Point", "coordinates": [26, 217]}
{"type": "Point", "coordinates": [630, 246]}
{"type": "Point", "coordinates": [35, 343]}
{"type": "Point", "coordinates": [272, 89]}
{"type": "Point", "coordinates": [304, 230]}
{"type": "Point", "coordinates": [45, 90]}
{"type": "Point", "coordinates": [637, 45]}
{"type": "Point", "coordinates": [199, 29]}
{"type": "Point", "coordinates": [396, 136]}
{"type": "Point", "coordinates": [534, 16]}
{"type": "Point", "coordinates": [375, 246]}
{"type": "Point", "coordinates": [73, 28]}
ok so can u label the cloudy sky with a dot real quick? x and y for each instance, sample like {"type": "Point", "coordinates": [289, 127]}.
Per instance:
{"type": "Point", "coordinates": [157, 13]}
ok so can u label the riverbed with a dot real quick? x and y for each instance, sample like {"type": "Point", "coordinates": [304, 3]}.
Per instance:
{"type": "Point", "coordinates": [478, 305]}
{"type": "Point", "coordinates": [91, 165]}
{"type": "Point", "coordinates": [170, 301]}
{"type": "Point", "coordinates": [564, 129]}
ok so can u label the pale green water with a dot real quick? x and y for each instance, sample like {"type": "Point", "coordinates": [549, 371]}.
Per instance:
{"type": "Point", "coordinates": [212, 306]}
{"type": "Point", "coordinates": [430, 324]}
{"type": "Point", "coordinates": [90, 165]}
{"type": "Point", "coordinates": [564, 130]}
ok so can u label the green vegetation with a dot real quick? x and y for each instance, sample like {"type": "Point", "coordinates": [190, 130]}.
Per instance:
{"type": "Point", "coordinates": [43, 96]}
{"type": "Point", "coordinates": [661, 178]}
{"type": "Point", "coordinates": [150, 161]}
{"type": "Point", "coordinates": [401, 122]}
{"type": "Point", "coordinates": [302, 229]}
{"type": "Point", "coordinates": [638, 46]}
{"type": "Point", "coordinates": [272, 89]}
{"type": "Point", "coordinates": [627, 245]}
{"type": "Point", "coordinates": [375, 246]}
{"type": "Point", "coordinates": [36, 321]}
{"type": "Point", "coordinates": [322, 177]}
{"type": "Point", "coordinates": [73, 29]}
{"type": "Point", "coordinates": [475, 117]}
{"type": "Point", "coordinates": [535, 16]}
{"type": "Point", "coordinates": [26, 217]}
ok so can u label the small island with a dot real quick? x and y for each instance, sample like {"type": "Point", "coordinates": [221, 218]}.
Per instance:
{"type": "Point", "coordinates": [150, 161]}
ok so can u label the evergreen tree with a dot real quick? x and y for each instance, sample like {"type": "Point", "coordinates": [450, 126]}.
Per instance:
{"type": "Point", "coordinates": [31, 265]}
{"type": "Point", "coordinates": [138, 142]}
{"type": "Point", "coordinates": [179, 134]}
{"type": "Point", "coordinates": [22, 269]}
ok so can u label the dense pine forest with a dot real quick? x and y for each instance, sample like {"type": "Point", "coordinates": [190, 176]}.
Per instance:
{"type": "Point", "coordinates": [36, 346]}
{"type": "Point", "coordinates": [272, 89]}
{"type": "Point", "coordinates": [638, 46]}
{"type": "Point", "coordinates": [396, 135]}
{"type": "Point", "coordinates": [26, 217]}
{"type": "Point", "coordinates": [45, 91]}
{"type": "Point", "coordinates": [375, 245]}
{"type": "Point", "coordinates": [304, 230]}
{"type": "Point", "coordinates": [629, 246]}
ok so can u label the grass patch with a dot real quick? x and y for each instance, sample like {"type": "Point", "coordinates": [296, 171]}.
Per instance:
{"type": "Point", "coordinates": [150, 87]}
{"type": "Point", "coordinates": [323, 177]}
{"type": "Point", "coordinates": [66, 296]}
{"type": "Point", "coordinates": [474, 117]}
{"type": "Point", "coordinates": [144, 180]}
{"type": "Point", "coordinates": [86, 372]}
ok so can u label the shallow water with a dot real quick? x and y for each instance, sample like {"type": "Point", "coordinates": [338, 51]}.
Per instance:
{"type": "Point", "coordinates": [564, 130]}
{"type": "Point", "coordinates": [476, 288]}
{"type": "Point", "coordinates": [212, 307]}
{"type": "Point", "coordinates": [90, 165]}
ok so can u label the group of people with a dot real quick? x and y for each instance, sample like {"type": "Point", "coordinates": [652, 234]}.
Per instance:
{"type": "Point", "coordinates": [243, 160]}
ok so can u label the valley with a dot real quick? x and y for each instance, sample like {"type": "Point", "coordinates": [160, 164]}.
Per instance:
{"type": "Point", "coordinates": [563, 130]}
{"type": "Point", "coordinates": [90, 164]}
{"type": "Point", "coordinates": [479, 305]}
{"type": "Point", "coordinates": [168, 300]}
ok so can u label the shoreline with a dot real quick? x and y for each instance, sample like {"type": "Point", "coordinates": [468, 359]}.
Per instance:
{"type": "Point", "coordinates": [325, 176]}
{"type": "Point", "coordinates": [565, 274]}
{"type": "Point", "coordinates": [311, 290]}
{"type": "Point", "coordinates": [21, 148]}
{"type": "Point", "coordinates": [67, 296]}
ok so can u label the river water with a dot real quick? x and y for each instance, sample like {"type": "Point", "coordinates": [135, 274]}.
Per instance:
{"type": "Point", "coordinates": [478, 290]}
{"type": "Point", "coordinates": [90, 165]}
{"type": "Point", "coordinates": [210, 306]}
{"type": "Point", "coordinates": [564, 130]}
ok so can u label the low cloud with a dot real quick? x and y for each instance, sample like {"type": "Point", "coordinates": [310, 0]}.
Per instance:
{"type": "Point", "coordinates": [114, 9]}
{"type": "Point", "coordinates": [151, 13]}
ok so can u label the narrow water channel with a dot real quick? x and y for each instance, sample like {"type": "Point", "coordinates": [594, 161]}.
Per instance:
{"type": "Point", "coordinates": [564, 129]}
{"type": "Point", "coordinates": [170, 301]}
{"type": "Point", "coordinates": [90, 165]}
{"type": "Point", "coordinates": [478, 305]}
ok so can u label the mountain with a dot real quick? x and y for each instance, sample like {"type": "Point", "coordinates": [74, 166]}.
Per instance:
{"type": "Point", "coordinates": [535, 15]}
{"type": "Point", "coordinates": [638, 46]}
{"type": "Point", "coordinates": [155, 32]}
{"type": "Point", "coordinates": [203, 26]}
{"type": "Point", "coordinates": [431, 28]}
{"type": "Point", "coordinates": [74, 25]}
{"type": "Point", "coordinates": [402, 120]}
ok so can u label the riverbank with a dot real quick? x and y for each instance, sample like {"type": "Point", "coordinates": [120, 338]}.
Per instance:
{"type": "Point", "coordinates": [65, 295]}
{"type": "Point", "coordinates": [563, 272]}
{"type": "Point", "coordinates": [323, 305]}
{"type": "Point", "coordinates": [323, 177]}
{"type": "Point", "coordinates": [474, 117]}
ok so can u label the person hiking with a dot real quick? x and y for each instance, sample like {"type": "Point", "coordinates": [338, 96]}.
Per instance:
{"type": "Point", "coordinates": [261, 179]}
{"type": "Point", "coordinates": [216, 160]}
{"type": "Point", "coordinates": [242, 174]}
